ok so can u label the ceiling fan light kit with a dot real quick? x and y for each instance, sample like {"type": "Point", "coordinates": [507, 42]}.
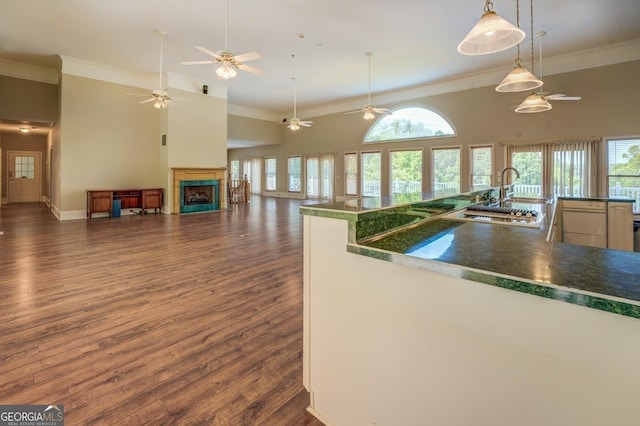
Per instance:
{"type": "Point", "coordinates": [226, 71]}
{"type": "Point", "coordinates": [491, 34]}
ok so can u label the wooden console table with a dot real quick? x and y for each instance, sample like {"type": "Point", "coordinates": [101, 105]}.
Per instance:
{"type": "Point", "coordinates": [101, 200]}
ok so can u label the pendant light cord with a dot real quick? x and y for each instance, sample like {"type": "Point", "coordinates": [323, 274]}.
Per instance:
{"type": "Point", "coordinates": [518, 25]}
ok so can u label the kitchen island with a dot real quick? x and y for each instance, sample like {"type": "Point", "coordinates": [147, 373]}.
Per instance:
{"type": "Point", "coordinates": [411, 318]}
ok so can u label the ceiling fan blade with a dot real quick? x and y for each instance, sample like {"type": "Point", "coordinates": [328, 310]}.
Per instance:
{"type": "Point", "coordinates": [136, 94]}
{"type": "Point", "coordinates": [250, 69]}
{"type": "Point", "coordinates": [249, 56]}
{"type": "Point", "coordinates": [305, 123]}
{"type": "Point", "coordinates": [564, 98]}
{"type": "Point", "coordinates": [197, 62]}
{"type": "Point", "coordinates": [381, 110]}
{"type": "Point", "coordinates": [208, 52]}
{"type": "Point", "coordinates": [353, 112]}
{"type": "Point", "coordinates": [147, 101]}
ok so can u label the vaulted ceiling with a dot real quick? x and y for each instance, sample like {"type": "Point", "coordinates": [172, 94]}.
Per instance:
{"type": "Point", "coordinates": [321, 43]}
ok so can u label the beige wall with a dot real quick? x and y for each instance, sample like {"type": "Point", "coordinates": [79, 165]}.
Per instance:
{"type": "Point", "coordinates": [196, 133]}
{"type": "Point", "coordinates": [107, 140]}
{"type": "Point", "coordinates": [609, 107]}
{"type": "Point", "coordinates": [28, 100]}
{"type": "Point", "coordinates": [243, 129]}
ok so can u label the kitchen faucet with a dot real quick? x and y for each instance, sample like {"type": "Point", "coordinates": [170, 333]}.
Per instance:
{"type": "Point", "coordinates": [503, 189]}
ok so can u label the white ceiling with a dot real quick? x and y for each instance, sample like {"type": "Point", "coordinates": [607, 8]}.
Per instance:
{"type": "Point", "coordinates": [322, 43]}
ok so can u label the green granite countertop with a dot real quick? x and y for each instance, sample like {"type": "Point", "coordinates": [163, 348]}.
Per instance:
{"type": "Point", "coordinates": [506, 256]}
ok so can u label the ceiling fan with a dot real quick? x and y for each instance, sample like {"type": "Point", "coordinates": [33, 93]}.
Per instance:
{"type": "Point", "coordinates": [159, 97]}
{"type": "Point", "coordinates": [369, 110]}
{"type": "Point", "coordinates": [295, 123]}
{"type": "Point", "coordinates": [227, 60]}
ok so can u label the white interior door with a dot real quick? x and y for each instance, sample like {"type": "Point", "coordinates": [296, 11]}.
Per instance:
{"type": "Point", "coordinates": [25, 177]}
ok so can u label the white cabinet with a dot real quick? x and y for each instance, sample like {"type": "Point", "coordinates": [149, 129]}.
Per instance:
{"type": "Point", "coordinates": [585, 222]}
{"type": "Point", "coordinates": [620, 226]}
{"type": "Point", "coordinates": [595, 223]}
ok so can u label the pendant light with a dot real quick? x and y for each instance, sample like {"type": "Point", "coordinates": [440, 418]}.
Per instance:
{"type": "Point", "coordinates": [491, 34]}
{"type": "Point", "coordinates": [534, 102]}
{"type": "Point", "coordinates": [519, 79]}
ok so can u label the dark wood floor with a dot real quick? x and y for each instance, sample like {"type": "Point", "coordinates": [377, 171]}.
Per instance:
{"type": "Point", "coordinates": [155, 319]}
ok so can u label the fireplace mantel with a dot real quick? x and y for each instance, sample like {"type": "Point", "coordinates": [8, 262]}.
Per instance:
{"type": "Point", "coordinates": [189, 174]}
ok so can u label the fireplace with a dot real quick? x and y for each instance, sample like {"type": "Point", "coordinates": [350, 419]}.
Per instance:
{"type": "Point", "coordinates": [198, 189]}
{"type": "Point", "coordinates": [199, 195]}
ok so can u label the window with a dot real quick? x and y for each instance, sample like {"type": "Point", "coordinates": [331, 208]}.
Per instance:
{"type": "Point", "coordinates": [406, 172]}
{"type": "Point", "coordinates": [371, 171]}
{"type": "Point", "coordinates": [446, 171]}
{"type": "Point", "coordinates": [25, 168]}
{"type": "Point", "coordinates": [528, 161]}
{"type": "Point", "coordinates": [409, 123]}
{"type": "Point", "coordinates": [313, 177]}
{"type": "Point", "coordinates": [481, 167]}
{"type": "Point", "coordinates": [623, 169]}
{"type": "Point", "coordinates": [255, 175]}
{"type": "Point", "coordinates": [320, 176]}
{"type": "Point", "coordinates": [554, 169]}
{"type": "Point", "coordinates": [350, 173]}
{"type": "Point", "coordinates": [294, 169]}
{"type": "Point", "coordinates": [234, 170]}
{"type": "Point", "coordinates": [270, 174]}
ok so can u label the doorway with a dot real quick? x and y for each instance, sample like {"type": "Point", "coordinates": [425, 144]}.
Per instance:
{"type": "Point", "coordinates": [25, 176]}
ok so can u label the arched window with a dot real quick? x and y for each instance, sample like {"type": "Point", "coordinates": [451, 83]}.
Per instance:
{"type": "Point", "coordinates": [409, 123]}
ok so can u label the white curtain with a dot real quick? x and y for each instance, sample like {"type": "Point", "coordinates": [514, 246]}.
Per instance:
{"type": "Point", "coordinates": [255, 176]}
{"type": "Point", "coordinates": [567, 168]}
{"type": "Point", "coordinates": [320, 176]}
{"type": "Point", "coordinates": [327, 176]}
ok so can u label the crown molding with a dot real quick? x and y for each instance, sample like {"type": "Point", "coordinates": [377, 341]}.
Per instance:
{"type": "Point", "coordinates": [82, 68]}
{"type": "Point", "coordinates": [28, 72]}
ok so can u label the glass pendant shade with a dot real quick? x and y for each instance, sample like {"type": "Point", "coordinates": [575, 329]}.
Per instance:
{"type": "Point", "coordinates": [490, 35]}
{"type": "Point", "coordinates": [519, 80]}
{"type": "Point", "coordinates": [294, 126]}
{"type": "Point", "coordinates": [226, 71]}
{"type": "Point", "coordinates": [533, 103]}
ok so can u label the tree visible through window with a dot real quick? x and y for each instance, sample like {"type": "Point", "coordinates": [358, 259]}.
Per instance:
{"type": "Point", "coordinates": [409, 123]}
{"type": "Point", "coordinates": [446, 171]}
{"type": "Point", "coordinates": [481, 166]}
{"type": "Point", "coordinates": [371, 173]}
{"type": "Point", "coordinates": [406, 172]}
